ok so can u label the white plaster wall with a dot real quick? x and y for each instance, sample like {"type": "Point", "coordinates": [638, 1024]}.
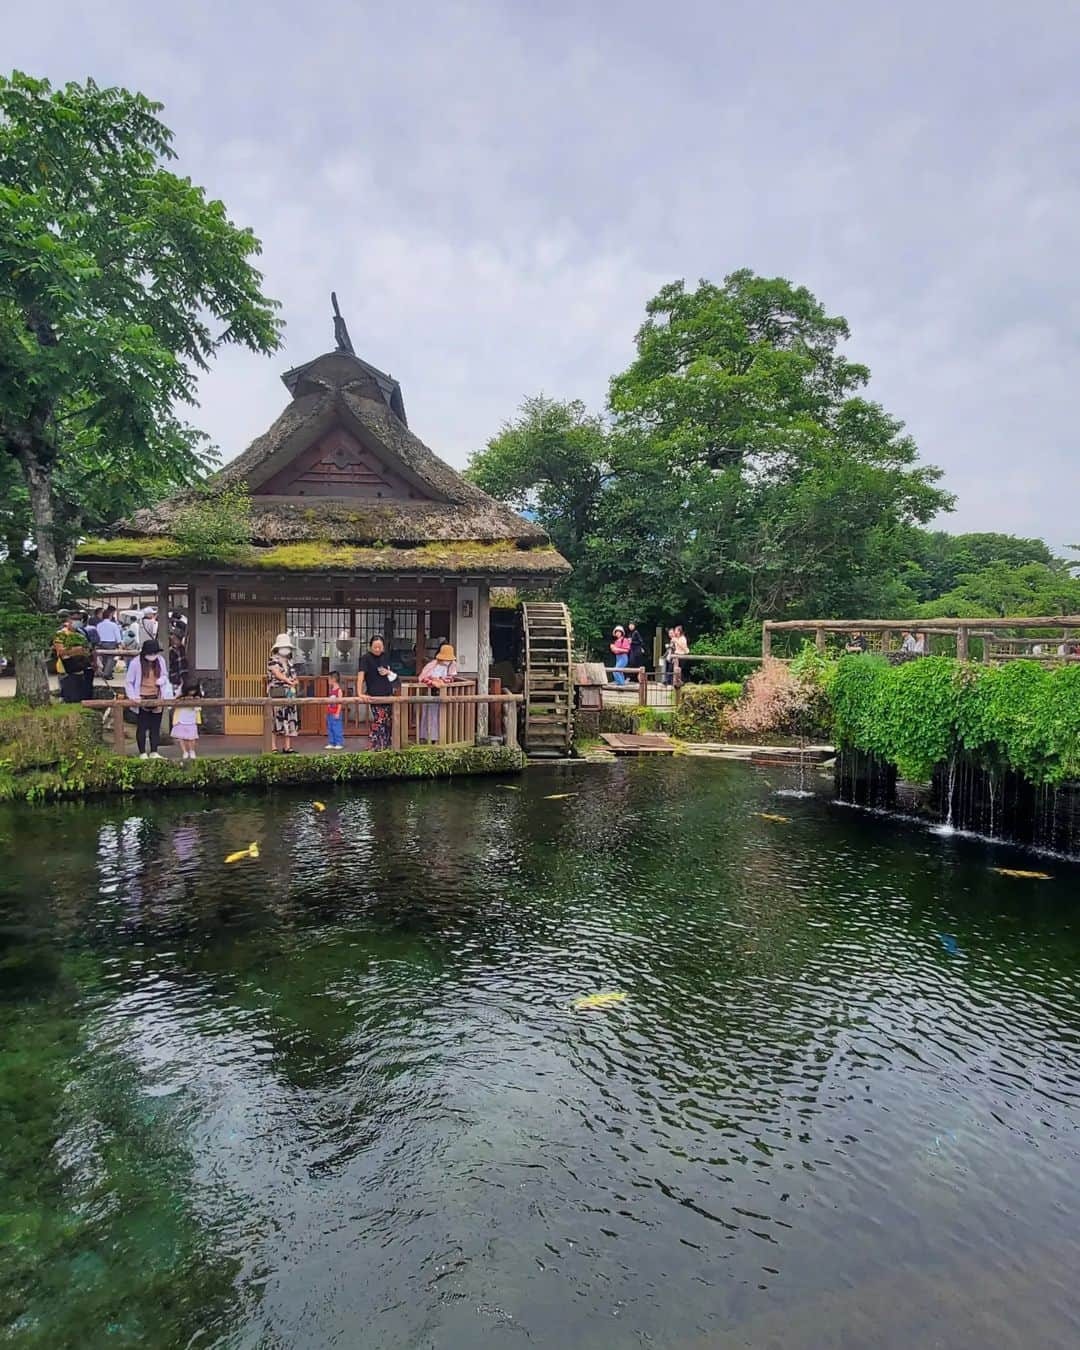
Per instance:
{"type": "Point", "coordinates": [467, 631]}
{"type": "Point", "coordinates": [206, 630]}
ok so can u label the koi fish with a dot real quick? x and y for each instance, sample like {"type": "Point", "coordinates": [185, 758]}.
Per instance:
{"type": "Point", "coordinates": [558, 796]}
{"type": "Point", "coordinates": [764, 815]}
{"type": "Point", "coordinates": [1026, 876]}
{"type": "Point", "coordinates": [319, 806]}
{"type": "Point", "coordinates": [597, 1000]}
{"type": "Point", "coordinates": [252, 851]}
{"type": "Point", "coordinates": [509, 787]}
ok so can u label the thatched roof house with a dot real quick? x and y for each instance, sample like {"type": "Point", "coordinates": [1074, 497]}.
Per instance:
{"type": "Point", "coordinates": [355, 525]}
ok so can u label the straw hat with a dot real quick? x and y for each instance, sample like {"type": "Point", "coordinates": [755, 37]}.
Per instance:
{"type": "Point", "coordinates": [445, 653]}
{"type": "Point", "coordinates": [282, 640]}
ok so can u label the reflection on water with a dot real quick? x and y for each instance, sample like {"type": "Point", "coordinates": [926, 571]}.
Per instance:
{"type": "Point", "coordinates": [337, 1095]}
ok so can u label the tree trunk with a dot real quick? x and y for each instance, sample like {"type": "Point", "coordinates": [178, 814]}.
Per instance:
{"type": "Point", "coordinates": [52, 564]}
{"type": "Point", "coordinates": [31, 681]}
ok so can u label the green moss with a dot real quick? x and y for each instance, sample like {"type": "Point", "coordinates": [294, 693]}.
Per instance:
{"type": "Point", "coordinates": [100, 773]}
{"type": "Point", "coordinates": [44, 737]}
{"type": "Point", "coordinates": [141, 547]}
{"type": "Point", "coordinates": [320, 555]}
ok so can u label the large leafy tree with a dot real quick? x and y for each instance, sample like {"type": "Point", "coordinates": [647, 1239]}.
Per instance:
{"type": "Point", "coordinates": [742, 471]}
{"type": "Point", "coordinates": [762, 479]}
{"type": "Point", "coordinates": [119, 280]}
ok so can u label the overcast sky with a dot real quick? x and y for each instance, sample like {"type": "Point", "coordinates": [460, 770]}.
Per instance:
{"type": "Point", "coordinates": [495, 190]}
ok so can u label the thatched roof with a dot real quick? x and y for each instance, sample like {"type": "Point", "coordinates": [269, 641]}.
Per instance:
{"type": "Point", "coordinates": [339, 390]}
{"type": "Point", "coordinates": [429, 522]}
{"type": "Point", "coordinates": [455, 558]}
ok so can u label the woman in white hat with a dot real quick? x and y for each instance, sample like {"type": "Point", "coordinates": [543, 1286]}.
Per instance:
{"type": "Point", "coordinates": [443, 670]}
{"type": "Point", "coordinates": [281, 683]}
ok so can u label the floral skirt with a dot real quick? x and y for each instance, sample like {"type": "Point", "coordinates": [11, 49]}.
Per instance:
{"type": "Point", "coordinates": [286, 718]}
{"type": "Point", "coordinates": [379, 732]}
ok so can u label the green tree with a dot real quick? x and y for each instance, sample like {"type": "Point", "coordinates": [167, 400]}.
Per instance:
{"type": "Point", "coordinates": [1000, 589]}
{"type": "Point", "coordinates": [746, 456]}
{"type": "Point", "coordinates": [549, 459]}
{"type": "Point", "coordinates": [938, 560]}
{"type": "Point", "coordinates": [119, 280]}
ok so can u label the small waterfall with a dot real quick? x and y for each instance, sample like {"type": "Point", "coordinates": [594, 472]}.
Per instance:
{"type": "Point", "coordinates": [950, 793]}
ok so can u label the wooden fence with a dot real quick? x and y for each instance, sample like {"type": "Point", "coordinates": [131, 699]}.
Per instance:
{"type": "Point", "coordinates": [451, 720]}
{"type": "Point", "coordinates": [992, 631]}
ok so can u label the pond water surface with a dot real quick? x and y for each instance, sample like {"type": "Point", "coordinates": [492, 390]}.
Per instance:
{"type": "Point", "coordinates": [337, 1095]}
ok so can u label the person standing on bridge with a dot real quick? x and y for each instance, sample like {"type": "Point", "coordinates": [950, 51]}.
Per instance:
{"type": "Point", "coordinates": [620, 649]}
{"type": "Point", "coordinates": [636, 658]}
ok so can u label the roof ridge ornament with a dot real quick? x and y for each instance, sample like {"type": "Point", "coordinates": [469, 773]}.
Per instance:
{"type": "Point", "coordinates": [341, 333]}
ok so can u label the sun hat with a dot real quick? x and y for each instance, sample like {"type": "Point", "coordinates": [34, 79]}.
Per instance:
{"type": "Point", "coordinates": [445, 653]}
{"type": "Point", "coordinates": [282, 640]}
{"type": "Point", "coordinates": [619, 629]}
{"type": "Point", "coordinates": [151, 647]}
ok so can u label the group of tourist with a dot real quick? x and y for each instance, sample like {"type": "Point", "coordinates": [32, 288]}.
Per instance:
{"type": "Point", "coordinates": [375, 680]}
{"type": "Point", "coordinates": [912, 644]}
{"type": "Point", "coordinates": [628, 648]}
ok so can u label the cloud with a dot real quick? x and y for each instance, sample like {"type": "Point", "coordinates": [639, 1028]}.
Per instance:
{"type": "Point", "coordinates": [494, 190]}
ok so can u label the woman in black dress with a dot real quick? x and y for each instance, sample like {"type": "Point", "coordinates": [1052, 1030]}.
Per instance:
{"type": "Point", "coordinates": [376, 680]}
{"type": "Point", "coordinates": [636, 659]}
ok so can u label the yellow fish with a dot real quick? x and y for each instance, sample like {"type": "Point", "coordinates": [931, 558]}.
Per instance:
{"type": "Point", "coordinates": [597, 1000]}
{"type": "Point", "coordinates": [764, 815]}
{"type": "Point", "coordinates": [558, 796]}
{"type": "Point", "coordinates": [319, 806]}
{"type": "Point", "coordinates": [1027, 876]}
{"type": "Point", "coordinates": [509, 787]}
{"type": "Point", "coordinates": [252, 851]}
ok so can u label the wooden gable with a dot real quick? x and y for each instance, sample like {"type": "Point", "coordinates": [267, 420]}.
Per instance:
{"type": "Point", "coordinates": [337, 465]}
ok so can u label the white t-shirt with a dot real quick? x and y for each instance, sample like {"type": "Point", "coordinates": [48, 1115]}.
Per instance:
{"type": "Point", "coordinates": [185, 715]}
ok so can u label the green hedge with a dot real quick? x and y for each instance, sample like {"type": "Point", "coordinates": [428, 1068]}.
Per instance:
{"type": "Point", "coordinates": [41, 738]}
{"type": "Point", "coordinates": [1017, 716]}
{"type": "Point", "coordinates": [703, 709]}
{"type": "Point", "coordinates": [99, 773]}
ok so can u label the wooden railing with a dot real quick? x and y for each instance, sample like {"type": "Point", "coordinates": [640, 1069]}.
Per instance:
{"type": "Point", "coordinates": [451, 719]}
{"type": "Point", "coordinates": [991, 630]}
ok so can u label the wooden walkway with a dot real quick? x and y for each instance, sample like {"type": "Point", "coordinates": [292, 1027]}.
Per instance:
{"type": "Point", "coordinates": [651, 743]}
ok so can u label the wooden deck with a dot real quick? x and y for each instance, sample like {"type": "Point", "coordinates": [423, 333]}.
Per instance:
{"type": "Point", "coordinates": [651, 743]}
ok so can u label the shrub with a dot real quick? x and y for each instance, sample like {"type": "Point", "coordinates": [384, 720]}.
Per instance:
{"type": "Point", "coordinates": [704, 711]}
{"type": "Point", "coordinates": [1018, 716]}
{"type": "Point", "coordinates": [216, 526]}
{"type": "Point", "coordinates": [773, 700]}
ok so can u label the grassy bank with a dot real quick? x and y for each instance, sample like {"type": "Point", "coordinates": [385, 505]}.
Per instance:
{"type": "Point", "coordinates": [56, 753]}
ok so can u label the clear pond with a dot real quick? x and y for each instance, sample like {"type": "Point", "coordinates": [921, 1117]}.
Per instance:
{"type": "Point", "coordinates": [337, 1095]}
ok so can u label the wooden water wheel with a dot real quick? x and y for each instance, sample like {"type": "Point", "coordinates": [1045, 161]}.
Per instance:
{"type": "Point", "coordinates": [549, 683]}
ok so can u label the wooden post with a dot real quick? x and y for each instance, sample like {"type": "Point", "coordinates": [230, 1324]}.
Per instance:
{"type": "Point", "coordinates": [961, 644]}
{"type": "Point", "coordinates": [766, 641]}
{"type": "Point", "coordinates": [820, 639]}
{"type": "Point", "coordinates": [268, 728]}
{"type": "Point", "coordinates": [399, 722]}
{"type": "Point", "coordinates": [118, 731]}
{"type": "Point", "coordinates": [886, 640]}
{"type": "Point", "coordinates": [643, 689]}
{"type": "Point", "coordinates": [510, 716]}
{"type": "Point", "coordinates": [483, 656]}
{"type": "Point", "coordinates": [421, 640]}
{"type": "Point", "coordinates": [163, 616]}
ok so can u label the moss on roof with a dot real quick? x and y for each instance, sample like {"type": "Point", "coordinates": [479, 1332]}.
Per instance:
{"type": "Point", "coordinates": [465, 556]}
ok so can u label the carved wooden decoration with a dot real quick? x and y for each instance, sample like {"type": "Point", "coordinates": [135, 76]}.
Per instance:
{"type": "Point", "coordinates": [337, 465]}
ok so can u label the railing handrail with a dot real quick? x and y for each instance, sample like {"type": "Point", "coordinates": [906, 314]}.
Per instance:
{"type": "Point", "coordinates": [258, 700]}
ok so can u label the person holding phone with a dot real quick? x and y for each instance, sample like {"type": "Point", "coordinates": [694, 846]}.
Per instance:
{"type": "Point", "coordinates": [375, 679]}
